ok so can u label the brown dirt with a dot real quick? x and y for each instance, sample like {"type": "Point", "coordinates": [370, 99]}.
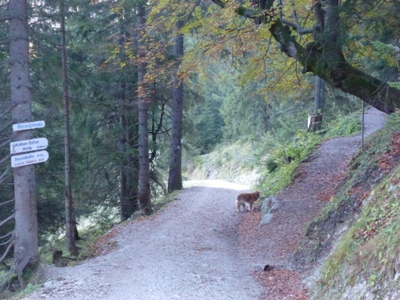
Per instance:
{"type": "Point", "coordinates": [199, 247]}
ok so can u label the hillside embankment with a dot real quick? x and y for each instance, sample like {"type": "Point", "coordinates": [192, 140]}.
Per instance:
{"type": "Point", "coordinates": [285, 215]}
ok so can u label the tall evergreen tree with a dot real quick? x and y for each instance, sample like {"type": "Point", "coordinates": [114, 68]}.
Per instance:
{"type": "Point", "coordinates": [26, 252]}
{"type": "Point", "coordinates": [128, 117]}
{"type": "Point", "coordinates": [175, 161]}
{"type": "Point", "coordinates": [69, 201]}
{"type": "Point", "coordinates": [143, 108]}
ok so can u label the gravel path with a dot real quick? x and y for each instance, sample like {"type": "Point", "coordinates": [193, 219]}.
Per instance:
{"type": "Point", "coordinates": [199, 247]}
{"type": "Point", "coordinates": [189, 250]}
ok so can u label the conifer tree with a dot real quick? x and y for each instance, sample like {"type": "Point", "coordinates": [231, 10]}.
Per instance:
{"type": "Point", "coordinates": [69, 201]}
{"type": "Point", "coordinates": [175, 161]}
{"type": "Point", "coordinates": [26, 251]}
{"type": "Point", "coordinates": [143, 109]}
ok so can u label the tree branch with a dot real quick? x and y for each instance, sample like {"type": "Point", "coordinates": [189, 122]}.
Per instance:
{"type": "Point", "coordinates": [6, 235]}
{"type": "Point", "coordinates": [6, 242]}
{"type": "Point", "coordinates": [6, 252]}
{"type": "Point", "coordinates": [6, 220]}
{"type": "Point", "coordinates": [5, 175]}
{"type": "Point", "coordinates": [296, 25]}
{"type": "Point", "coordinates": [326, 60]}
{"type": "Point", "coordinates": [5, 158]}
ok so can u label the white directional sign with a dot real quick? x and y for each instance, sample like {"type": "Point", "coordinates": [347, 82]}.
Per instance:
{"type": "Point", "coordinates": [29, 158]}
{"type": "Point", "coordinates": [28, 145]}
{"type": "Point", "coordinates": [29, 125]}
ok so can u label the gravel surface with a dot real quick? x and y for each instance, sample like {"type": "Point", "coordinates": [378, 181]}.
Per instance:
{"type": "Point", "coordinates": [189, 250]}
{"type": "Point", "coordinates": [199, 247]}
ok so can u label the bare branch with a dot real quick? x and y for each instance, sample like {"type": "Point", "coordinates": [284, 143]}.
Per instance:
{"type": "Point", "coordinates": [6, 235]}
{"type": "Point", "coordinates": [6, 242]}
{"type": "Point", "coordinates": [5, 112]}
{"type": "Point", "coordinates": [6, 252]}
{"type": "Point", "coordinates": [7, 141]}
{"type": "Point", "coordinates": [6, 125]}
{"type": "Point", "coordinates": [6, 220]}
{"type": "Point", "coordinates": [6, 202]}
{"type": "Point", "coordinates": [296, 25]}
{"type": "Point", "coordinates": [5, 158]}
{"type": "Point", "coordinates": [4, 176]}
{"type": "Point", "coordinates": [5, 281]}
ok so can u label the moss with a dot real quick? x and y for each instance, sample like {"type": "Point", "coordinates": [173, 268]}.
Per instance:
{"type": "Point", "coordinates": [361, 83]}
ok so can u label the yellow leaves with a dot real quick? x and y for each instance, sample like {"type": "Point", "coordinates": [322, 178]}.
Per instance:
{"type": "Point", "coordinates": [301, 7]}
{"type": "Point", "coordinates": [386, 52]}
{"type": "Point", "coordinates": [374, 50]}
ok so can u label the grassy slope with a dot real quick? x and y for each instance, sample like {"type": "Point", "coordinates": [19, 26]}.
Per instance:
{"type": "Point", "coordinates": [233, 162]}
{"type": "Point", "coordinates": [267, 163]}
{"type": "Point", "coordinates": [364, 263]}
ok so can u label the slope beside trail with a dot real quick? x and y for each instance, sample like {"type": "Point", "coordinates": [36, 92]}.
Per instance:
{"type": "Point", "coordinates": [296, 206]}
{"type": "Point", "coordinates": [199, 247]}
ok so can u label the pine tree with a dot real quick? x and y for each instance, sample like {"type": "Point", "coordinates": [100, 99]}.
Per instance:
{"type": "Point", "coordinates": [143, 108]}
{"type": "Point", "coordinates": [175, 163]}
{"type": "Point", "coordinates": [26, 251]}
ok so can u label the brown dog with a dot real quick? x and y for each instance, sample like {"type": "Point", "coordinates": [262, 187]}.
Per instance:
{"type": "Point", "coordinates": [249, 198]}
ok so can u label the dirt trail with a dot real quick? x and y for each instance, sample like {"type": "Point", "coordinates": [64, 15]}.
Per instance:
{"type": "Point", "coordinates": [189, 250]}
{"type": "Point", "coordinates": [199, 247]}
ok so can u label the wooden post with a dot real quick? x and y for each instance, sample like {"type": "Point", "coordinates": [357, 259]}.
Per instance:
{"type": "Point", "coordinates": [362, 124]}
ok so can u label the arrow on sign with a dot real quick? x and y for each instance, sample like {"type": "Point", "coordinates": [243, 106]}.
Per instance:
{"type": "Point", "coordinates": [29, 158]}
{"type": "Point", "coordinates": [28, 145]}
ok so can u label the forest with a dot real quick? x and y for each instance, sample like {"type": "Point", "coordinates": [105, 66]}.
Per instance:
{"type": "Point", "coordinates": [133, 97]}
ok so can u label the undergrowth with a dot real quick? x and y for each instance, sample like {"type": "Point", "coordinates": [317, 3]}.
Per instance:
{"type": "Point", "coordinates": [227, 162]}
{"type": "Point", "coordinates": [280, 163]}
{"type": "Point", "coordinates": [91, 234]}
{"type": "Point", "coordinates": [367, 253]}
{"type": "Point", "coordinates": [275, 157]}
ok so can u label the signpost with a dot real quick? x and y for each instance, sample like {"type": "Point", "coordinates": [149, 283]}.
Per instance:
{"type": "Point", "coordinates": [29, 125]}
{"type": "Point", "coordinates": [29, 158]}
{"type": "Point", "coordinates": [28, 145]}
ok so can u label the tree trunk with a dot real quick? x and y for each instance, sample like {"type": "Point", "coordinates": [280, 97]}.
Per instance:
{"type": "Point", "coordinates": [129, 172]}
{"type": "Point", "coordinates": [69, 201]}
{"type": "Point", "coordinates": [175, 160]}
{"type": "Point", "coordinates": [128, 121]}
{"type": "Point", "coordinates": [143, 109]}
{"type": "Point", "coordinates": [318, 103]}
{"type": "Point", "coordinates": [340, 75]}
{"type": "Point", "coordinates": [26, 253]}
